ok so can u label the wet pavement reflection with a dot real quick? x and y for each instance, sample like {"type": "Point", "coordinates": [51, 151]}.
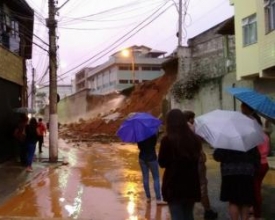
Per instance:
{"type": "Point", "coordinates": [103, 182]}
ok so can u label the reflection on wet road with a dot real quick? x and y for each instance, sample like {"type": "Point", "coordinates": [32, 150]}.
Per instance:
{"type": "Point", "coordinates": [103, 182]}
{"type": "Point", "coordinates": [100, 182]}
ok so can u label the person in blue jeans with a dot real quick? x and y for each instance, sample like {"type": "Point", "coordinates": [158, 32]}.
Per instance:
{"type": "Point", "coordinates": [148, 162]}
{"type": "Point", "coordinates": [31, 140]}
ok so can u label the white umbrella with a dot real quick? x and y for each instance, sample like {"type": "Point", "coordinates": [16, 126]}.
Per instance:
{"type": "Point", "coordinates": [229, 130]}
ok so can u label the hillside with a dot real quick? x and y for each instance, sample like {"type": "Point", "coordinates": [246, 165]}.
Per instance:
{"type": "Point", "coordinates": [146, 97]}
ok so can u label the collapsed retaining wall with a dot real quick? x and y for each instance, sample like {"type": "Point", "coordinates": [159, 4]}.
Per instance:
{"type": "Point", "coordinates": [82, 105]}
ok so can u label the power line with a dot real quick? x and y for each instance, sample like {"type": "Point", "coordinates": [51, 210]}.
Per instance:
{"type": "Point", "coordinates": [116, 40]}
{"type": "Point", "coordinates": [105, 11]}
{"type": "Point", "coordinates": [109, 49]}
{"type": "Point", "coordinates": [96, 29]}
{"type": "Point", "coordinates": [81, 19]}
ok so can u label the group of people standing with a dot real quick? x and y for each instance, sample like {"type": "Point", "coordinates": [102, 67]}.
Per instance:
{"type": "Point", "coordinates": [242, 175]}
{"type": "Point", "coordinates": [27, 134]}
{"type": "Point", "coordinates": [184, 180]}
{"type": "Point", "coordinates": [180, 154]}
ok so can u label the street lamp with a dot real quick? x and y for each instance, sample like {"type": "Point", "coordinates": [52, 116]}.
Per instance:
{"type": "Point", "coordinates": [130, 53]}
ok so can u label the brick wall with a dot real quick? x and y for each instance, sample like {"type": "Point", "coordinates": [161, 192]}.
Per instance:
{"type": "Point", "coordinates": [213, 56]}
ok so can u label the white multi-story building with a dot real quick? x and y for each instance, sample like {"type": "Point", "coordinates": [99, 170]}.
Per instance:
{"type": "Point", "coordinates": [42, 95]}
{"type": "Point", "coordinates": [121, 72]}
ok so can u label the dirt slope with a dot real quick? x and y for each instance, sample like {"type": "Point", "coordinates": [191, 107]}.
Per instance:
{"type": "Point", "coordinates": [146, 97]}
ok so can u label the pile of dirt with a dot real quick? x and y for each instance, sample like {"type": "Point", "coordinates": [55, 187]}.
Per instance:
{"type": "Point", "coordinates": [146, 97]}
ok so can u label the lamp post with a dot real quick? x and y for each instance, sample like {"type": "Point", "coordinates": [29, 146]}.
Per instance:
{"type": "Point", "coordinates": [130, 53]}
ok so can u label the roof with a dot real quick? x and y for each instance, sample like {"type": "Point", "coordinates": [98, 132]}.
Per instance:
{"type": "Point", "coordinates": [228, 27]}
{"type": "Point", "coordinates": [135, 48]}
{"type": "Point", "coordinates": [157, 53]}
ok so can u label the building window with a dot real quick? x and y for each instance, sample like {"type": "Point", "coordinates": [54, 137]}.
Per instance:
{"type": "Point", "coordinates": [123, 81]}
{"type": "Point", "coordinates": [14, 29]}
{"type": "Point", "coordinates": [134, 81]}
{"type": "Point", "coordinates": [269, 15]}
{"type": "Point", "coordinates": [249, 30]}
{"type": "Point", "coordinates": [124, 68]}
{"type": "Point", "coordinates": [146, 68]}
{"type": "Point", "coordinates": [150, 68]}
{"type": "Point", "coordinates": [156, 68]}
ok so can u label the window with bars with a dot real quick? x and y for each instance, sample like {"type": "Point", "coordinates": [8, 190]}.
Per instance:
{"type": "Point", "coordinates": [249, 25]}
{"type": "Point", "coordinates": [269, 7]}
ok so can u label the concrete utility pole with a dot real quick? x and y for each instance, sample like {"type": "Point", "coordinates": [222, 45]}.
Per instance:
{"type": "Point", "coordinates": [53, 125]}
{"type": "Point", "coordinates": [180, 47]}
{"type": "Point", "coordinates": [180, 25]}
{"type": "Point", "coordinates": [133, 66]}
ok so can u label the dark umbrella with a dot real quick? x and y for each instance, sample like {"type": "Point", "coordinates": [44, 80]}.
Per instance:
{"type": "Point", "coordinates": [138, 127]}
{"type": "Point", "coordinates": [260, 103]}
{"type": "Point", "coordinates": [24, 110]}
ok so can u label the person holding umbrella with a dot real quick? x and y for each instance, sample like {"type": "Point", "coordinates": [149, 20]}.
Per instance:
{"type": "Point", "coordinates": [263, 149]}
{"type": "Point", "coordinates": [235, 138]}
{"type": "Point", "coordinates": [148, 162]}
{"type": "Point", "coordinates": [142, 128]}
{"type": "Point", "coordinates": [179, 154]}
{"type": "Point", "coordinates": [238, 170]}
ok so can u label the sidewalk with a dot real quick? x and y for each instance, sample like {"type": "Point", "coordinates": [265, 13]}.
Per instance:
{"type": "Point", "coordinates": [271, 162]}
{"type": "Point", "coordinates": [14, 177]}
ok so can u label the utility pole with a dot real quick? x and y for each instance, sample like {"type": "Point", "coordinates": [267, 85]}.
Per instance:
{"type": "Point", "coordinates": [180, 48]}
{"type": "Point", "coordinates": [53, 123]}
{"type": "Point", "coordinates": [180, 25]}
{"type": "Point", "coordinates": [133, 66]}
{"type": "Point", "coordinates": [33, 89]}
{"type": "Point", "coordinates": [183, 53]}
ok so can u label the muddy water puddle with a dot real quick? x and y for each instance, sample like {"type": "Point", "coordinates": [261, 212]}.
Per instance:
{"type": "Point", "coordinates": [100, 182]}
{"type": "Point", "coordinates": [103, 182]}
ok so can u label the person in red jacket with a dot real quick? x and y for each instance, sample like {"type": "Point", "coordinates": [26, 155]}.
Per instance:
{"type": "Point", "coordinates": [259, 176]}
{"type": "Point", "coordinates": [41, 133]}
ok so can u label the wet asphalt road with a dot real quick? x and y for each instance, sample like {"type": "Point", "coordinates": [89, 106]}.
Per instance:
{"type": "Point", "coordinates": [103, 182]}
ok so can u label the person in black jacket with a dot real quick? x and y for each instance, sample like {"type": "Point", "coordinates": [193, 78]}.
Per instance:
{"type": "Point", "coordinates": [179, 154]}
{"type": "Point", "coordinates": [148, 162]}
{"type": "Point", "coordinates": [31, 140]}
{"type": "Point", "coordinates": [20, 138]}
{"type": "Point", "coordinates": [237, 188]}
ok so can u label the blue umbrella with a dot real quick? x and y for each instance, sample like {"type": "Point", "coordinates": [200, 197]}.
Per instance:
{"type": "Point", "coordinates": [258, 102]}
{"type": "Point", "coordinates": [138, 127]}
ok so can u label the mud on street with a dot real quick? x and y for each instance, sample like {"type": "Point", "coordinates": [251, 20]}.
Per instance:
{"type": "Point", "coordinates": [103, 182]}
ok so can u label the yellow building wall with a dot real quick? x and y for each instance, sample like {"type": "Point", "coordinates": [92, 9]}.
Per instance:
{"type": "Point", "coordinates": [255, 58]}
{"type": "Point", "coordinates": [266, 41]}
{"type": "Point", "coordinates": [11, 66]}
{"type": "Point", "coordinates": [247, 60]}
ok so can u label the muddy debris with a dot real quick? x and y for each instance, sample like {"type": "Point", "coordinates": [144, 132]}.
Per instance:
{"type": "Point", "coordinates": [146, 97]}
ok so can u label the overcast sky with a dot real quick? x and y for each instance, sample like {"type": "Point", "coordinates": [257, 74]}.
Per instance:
{"type": "Point", "coordinates": [90, 30]}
